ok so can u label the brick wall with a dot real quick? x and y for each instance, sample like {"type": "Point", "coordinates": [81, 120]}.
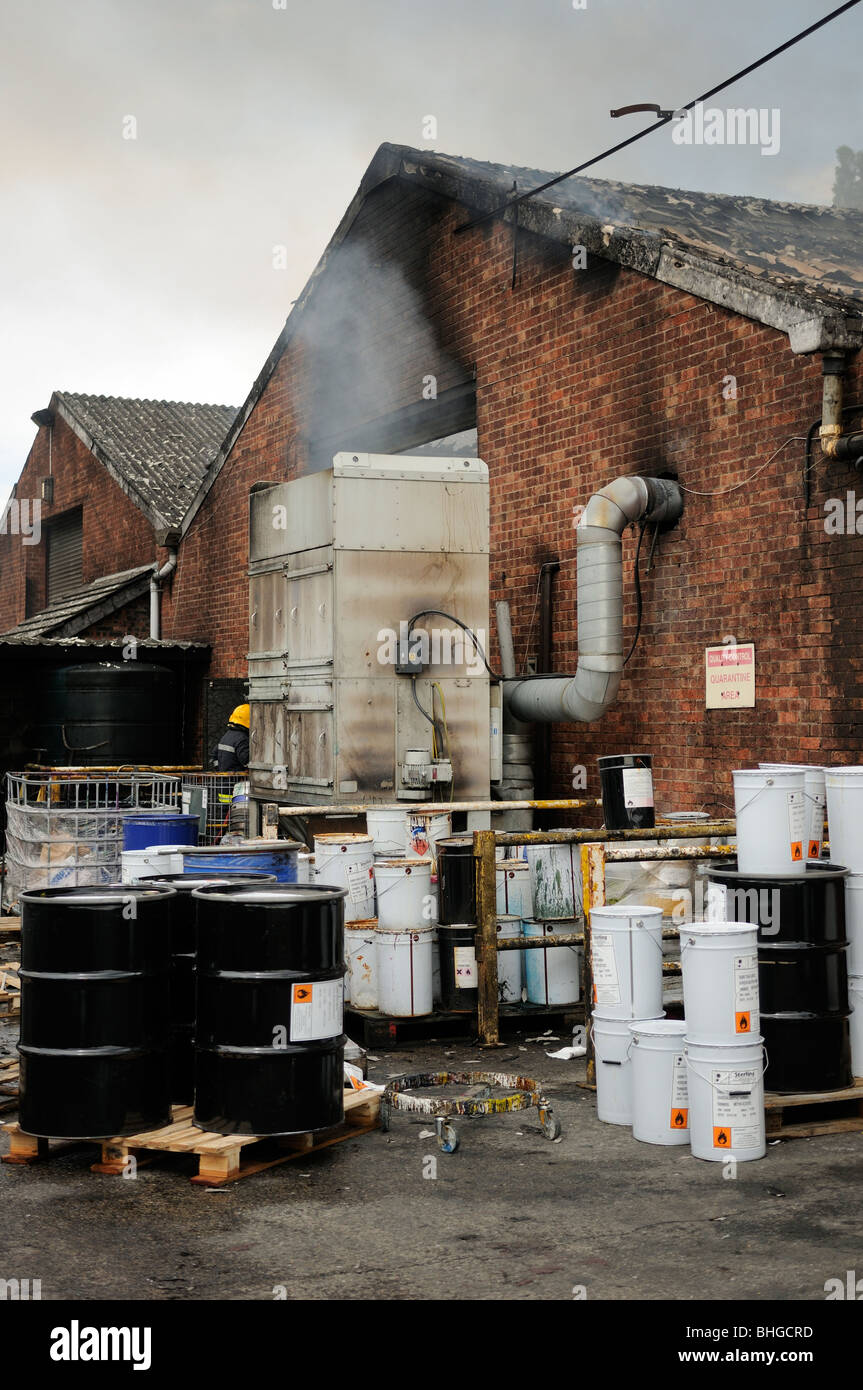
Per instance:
{"type": "Point", "coordinates": [582, 376]}
{"type": "Point", "coordinates": [116, 534]}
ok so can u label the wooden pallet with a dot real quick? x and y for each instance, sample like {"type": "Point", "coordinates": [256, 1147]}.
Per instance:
{"type": "Point", "coordinates": [816, 1112]}
{"type": "Point", "coordinates": [8, 1084]}
{"type": "Point", "coordinates": [10, 989]}
{"type": "Point", "coordinates": [222, 1158]}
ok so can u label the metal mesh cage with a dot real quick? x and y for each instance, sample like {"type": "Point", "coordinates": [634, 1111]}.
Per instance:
{"type": "Point", "coordinates": [220, 800]}
{"type": "Point", "coordinates": [66, 829]}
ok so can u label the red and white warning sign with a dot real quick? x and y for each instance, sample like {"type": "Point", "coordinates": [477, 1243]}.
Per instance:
{"type": "Point", "coordinates": [730, 676]}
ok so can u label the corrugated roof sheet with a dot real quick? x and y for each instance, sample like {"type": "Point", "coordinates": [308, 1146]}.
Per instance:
{"type": "Point", "coordinates": [83, 607]}
{"type": "Point", "coordinates": [160, 449]}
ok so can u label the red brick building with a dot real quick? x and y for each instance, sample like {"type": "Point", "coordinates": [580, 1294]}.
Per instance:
{"type": "Point", "coordinates": [614, 329]}
{"type": "Point", "coordinates": [608, 329]}
{"type": "Point", "coordinates": [92, 521]}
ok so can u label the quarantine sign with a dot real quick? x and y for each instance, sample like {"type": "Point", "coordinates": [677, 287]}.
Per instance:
{"type": "Point", "coordinates": [730, 676]}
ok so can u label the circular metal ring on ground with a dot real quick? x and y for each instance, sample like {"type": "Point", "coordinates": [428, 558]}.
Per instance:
{"type": "Point", "coordinates": [525, 1093]}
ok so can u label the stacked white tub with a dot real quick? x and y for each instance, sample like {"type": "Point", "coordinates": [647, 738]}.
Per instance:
{"type": "Point", "coordinates": [724, 1047]}
{"type": "Point", "coordinates": [626, 957]}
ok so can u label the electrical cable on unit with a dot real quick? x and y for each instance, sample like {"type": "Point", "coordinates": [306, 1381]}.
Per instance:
{"type": "Point", "coordinates": [657, 125]}
{"type": "Point", "coordinates": [439, 613]}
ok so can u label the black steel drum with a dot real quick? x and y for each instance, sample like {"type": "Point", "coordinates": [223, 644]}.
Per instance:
{"type": "Point", "coordinates": [95, 966]}
{"type": "Point", "coordinates": [269, 1047]}
{"type": "Point", "coordinates": [456, 880]}
{"type": "Point", "coordinates": [626, 784]}
{"type": "Point", "coordinates": [457, 947]}
{"type": "Point", "coordinates": [802, 971]}
{"type": "Point", "coordinates": [183, 954]}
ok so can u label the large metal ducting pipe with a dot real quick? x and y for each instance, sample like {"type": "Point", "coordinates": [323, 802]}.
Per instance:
{"type": "Point", "coordinates": [586, 696]}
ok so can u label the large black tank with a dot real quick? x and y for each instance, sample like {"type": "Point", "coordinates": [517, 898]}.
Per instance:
{"type": "Point", "coordinates": [802, 972]}
{"type": "Point", "coordinates": [95, 968]}
{"type": "Point", "coordinates": [106, 713]}
{"type": "Point", "coordinates": [183, 957]}
{"type": "Point", "coordinates": [269, 1047]}
{"type": "Point", "coordinates": [456, 880]}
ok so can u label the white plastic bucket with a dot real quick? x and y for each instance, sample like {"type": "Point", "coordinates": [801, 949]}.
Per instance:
{"type": "Point", "coordinates": [626, 955]}
{"type": "Point", "coordinates": [855, 999]}
{"type": "Point", "coordinates": [514, 895]}
{"type": "Point", "coordinates": [423, 833]}
{"type": "Point", "coordinates": [772, 820]}
{"type": "Point", "coordinates": [305, 868]}
{"type": "Point", "coordinates": [361, 979]}
{"type": "Point", "coordinates": [387, 829]}
{"type": "Point", "coordinates": [612, 1044]}
{"type": "Point", "coordinates": [138, 864]}
{"type": "Point", "coordinates": [845, 816]}
{"type": "Point", "coordinates": [403, 961]}
{"type": "Point", "coordinates": [553, 975]}
{"type": "Point", "coordinates": [404, 893]}
{"type": "Point", "coordinates": [346, 861]}
{"type": "Point", "coordinates": [816, 800]}
{"type": "Point", "coordinates": [555, 881]}
{"type": "Point", "coordinates": [726, 1100]}
{"type": "Point", "coordinates": [720, 981]}
{"type": "Point", "coordinates": [509, 963]}
{"type": "Point", "coordinates": [660, 1107]}
{"type": "Point", "coordinates": [854, 922]}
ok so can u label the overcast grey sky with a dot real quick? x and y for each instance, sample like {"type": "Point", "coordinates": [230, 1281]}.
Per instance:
{"type": "Point", "coordinates": [144, 267]}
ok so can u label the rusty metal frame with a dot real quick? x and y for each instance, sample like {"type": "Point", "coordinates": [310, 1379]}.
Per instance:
{"type": "Point", "coordinates": [594, 857]}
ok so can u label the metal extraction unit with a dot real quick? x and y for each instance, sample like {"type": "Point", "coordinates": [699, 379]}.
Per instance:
{"type": "Point", "coordinates": [362, 683]}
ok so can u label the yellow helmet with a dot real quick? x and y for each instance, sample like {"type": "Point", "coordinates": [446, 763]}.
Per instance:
{"type": "Point", "coordinates": [240, 716]}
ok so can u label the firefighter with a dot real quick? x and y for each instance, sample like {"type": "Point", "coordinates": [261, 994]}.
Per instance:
{"type": "Point", "coordinates": [231, 753]}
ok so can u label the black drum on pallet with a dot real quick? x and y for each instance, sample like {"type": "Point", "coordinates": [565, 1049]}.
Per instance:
{"type": "Point", "coordinates": [456, 880]}
{"type": "Point", "coordinates": [269, 1042]}
{"type": "Point", "coordinates": [183, 955]}
{"type": "Point", "coordinates": [95, 967]}
{"type": "Point", "coordinates": [458, 971]}
{"type": "Point", "coordinates": [802, 971]}
{"type": "Point", "coordinates": [626, 783]}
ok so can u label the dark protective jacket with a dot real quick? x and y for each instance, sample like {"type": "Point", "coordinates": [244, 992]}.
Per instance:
{"type": "Point", "coordinates": [231, 753]}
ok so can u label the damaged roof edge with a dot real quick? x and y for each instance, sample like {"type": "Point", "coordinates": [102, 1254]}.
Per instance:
{"type": "Point", "coordinates": [811, 324]}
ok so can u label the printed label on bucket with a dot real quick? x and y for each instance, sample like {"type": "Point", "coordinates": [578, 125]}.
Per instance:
{"type": "Point", "coordinates": [360, 881]}
{"type": "Point", "coordinates": [464, 958]}
{"type": "Point", "coordinates": [745, 992]}
{"type": "Point", "coordinates": [736, 1117]}
{"type": "Point", "coordinates": [796, 823]}
{"type": "Point", "coordinates": [637, 786]}
{"type": "Point", "coordinates": [679, 1083]}
{"type": "Point", "coordinates": [816, 825]}
{"type": "Point", "coordinates": [606, 984]}
{"type": "Point", "coordinates": [317, 1010]}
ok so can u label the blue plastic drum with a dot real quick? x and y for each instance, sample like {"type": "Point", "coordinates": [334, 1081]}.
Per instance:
{"type": "Point", "coordinates": [277, 857]}
{"type": "Point", "coordinates": [149, 828]}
